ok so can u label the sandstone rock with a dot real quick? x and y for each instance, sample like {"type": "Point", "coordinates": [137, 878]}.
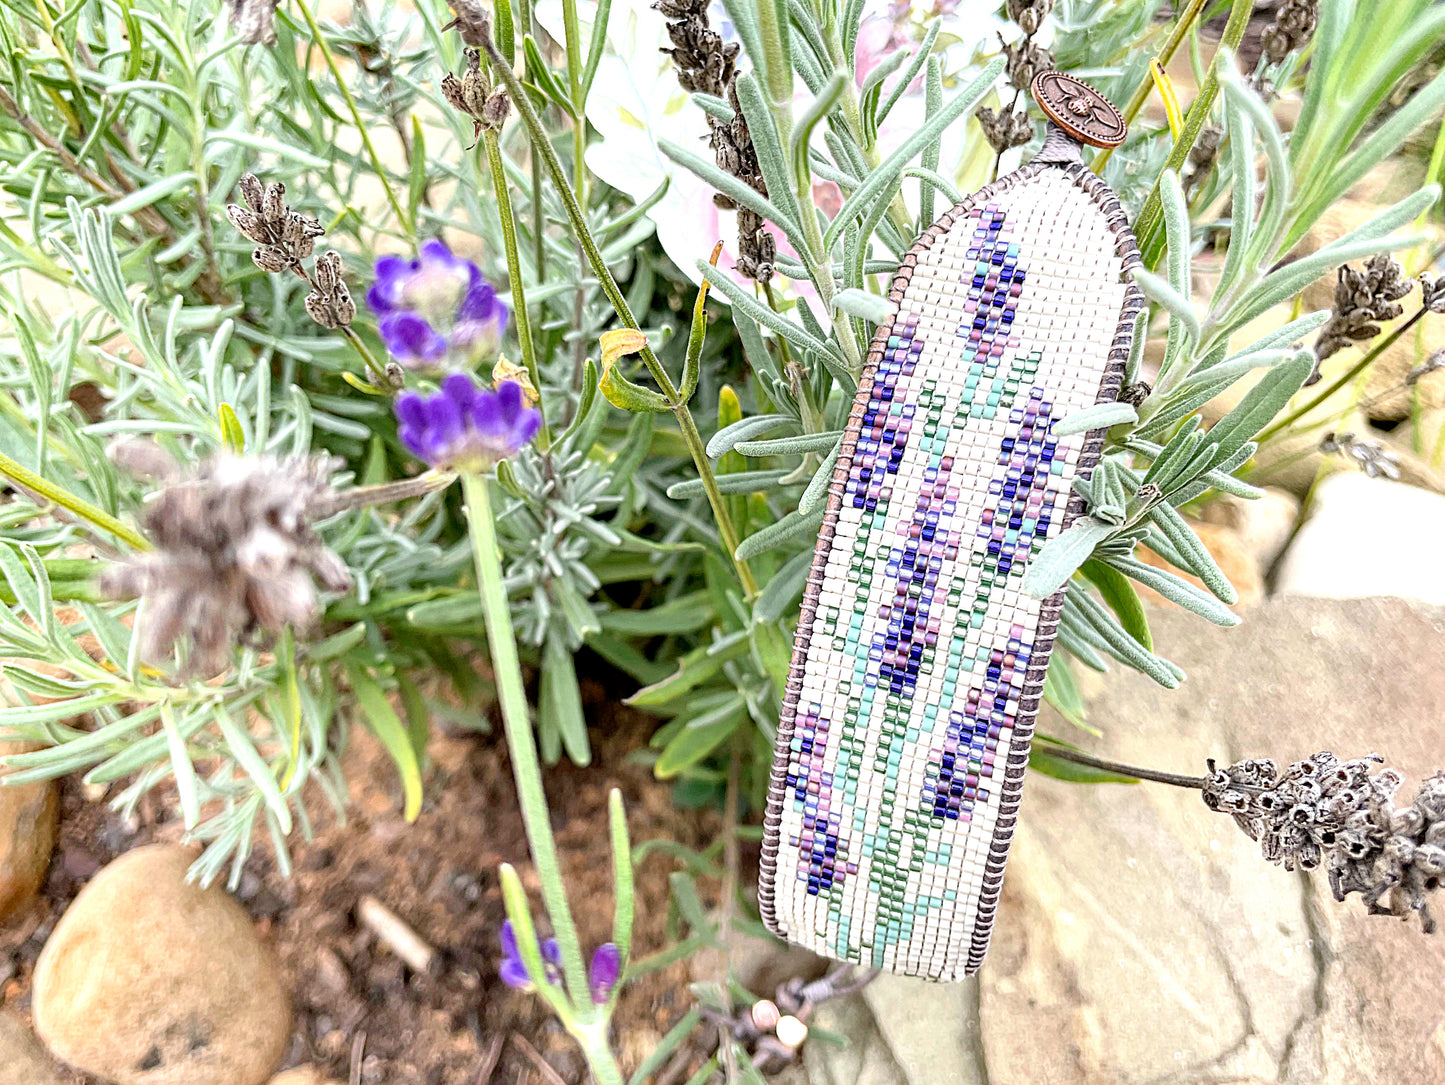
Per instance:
{"type": "Point", "coordinates": [1367, 537]}
{"type": "Point", "coordinates": [1263, 525]}
{"type": "Point", "coordinates": [1142, 938]}
{"type": "Point", "coordinates": [302, 1075]}
{"type": "Point", "coordinates": [27, 834]}
{"type": "Point", "coordinates": [149, 980]}
{"type": "Point", "coordinates": [22, 1060]}
{"type": "Point", "coordinates": [1231, 555]}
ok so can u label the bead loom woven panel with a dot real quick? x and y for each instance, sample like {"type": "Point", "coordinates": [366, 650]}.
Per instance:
{"type": "Point", "coordinates": [920, 658]}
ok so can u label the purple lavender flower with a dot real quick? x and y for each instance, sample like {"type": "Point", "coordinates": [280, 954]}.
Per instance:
{"type": "Point", "coordinates": [465, 427]}
{"type": "Point", "coordinates": [603, 972]}
{"type": "Point", "coordinates": [436, 307]}
{"type": "Point", "coordinates": [514, 971]}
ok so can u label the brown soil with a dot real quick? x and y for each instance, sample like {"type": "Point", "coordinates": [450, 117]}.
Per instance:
{"type": "Point", "coordinates": [358, 1008]}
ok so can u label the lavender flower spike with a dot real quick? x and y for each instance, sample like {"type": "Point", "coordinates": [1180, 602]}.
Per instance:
{"type": "Point", "coordinates": [436, 308]}
{"type": "Point", "coordinates": [604, 971]}
{"type": "Point", "coordinates": [466, 428]}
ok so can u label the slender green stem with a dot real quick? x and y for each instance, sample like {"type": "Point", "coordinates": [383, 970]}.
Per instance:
{"type": "Point", "coordinates": [517, 722]}
{"type": "Point", "coordinates": [361, 125]}
{"type": "Point", "coordinates": [1354, 371]}
{"type": "Point", "coordinates": [1078, 757]}
{"type": "Point", "coordinates": [1141, 92]}
{"type": "Point", "coordinates": [573, 33]}
{"type": "Point", "coordinates": [542, 146]}
{"type": "Point", "coordinates": [514, 266]}
{"type": "Point", "coordinates": [374, 366]}
{"type": "Point", "coordinates": [23, 476]}
{"type": "Point", "coordinates": [1149, 226]}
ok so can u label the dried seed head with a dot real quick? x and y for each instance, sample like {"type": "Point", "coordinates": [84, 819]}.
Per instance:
{"type": "Point", "coordinates": [1373, 458]}
{"type": "Point", "coordinates": [1433, 293]}
{"type": "Point", "coordinates": [283, 237]}
{"type": "Point", "coordinates": [1004, 129]}
{"type": "Point", "coordinates": [329, 302]}
{"type": "Point", "coordinates": [235, 553]}
{"type": "Point", "coordinates": [1327, 811]}
{"type": "Point", "coordinates": [254, 21]}
{"type": "Point", "coordinates": [705, 64]}
{"type": "Point", "coordinates": [497, 109]}
{"type": "Point", "coordinates": [1029, 14]}
{"type": "Point", "coordinates": [1363, 298]}
{"type": "Point", "coordinates": [1293, 25]}
{"type": "Point", "coordinates": [1025, 60]}
{"type": "Point", "coordinates": [471, 21]}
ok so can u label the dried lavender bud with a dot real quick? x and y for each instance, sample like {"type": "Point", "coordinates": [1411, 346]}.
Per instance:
{"type": "Point", "coordinates": [1432, 364]}
{"type": "Point", "coordinates": [1432, 293]}
{"type": "Point", "coordinates": [329, 302]}
{"type": "Point", "coordinates": [1005, 129]}
{"type": "Point", "coordinates": [474, 95]}
{"type": "Point", "coordinates": [1363, 298]}
{"type": "Point", "coordinates": [254, 21]}
{"type": "Point", "coordinates": [1135, 394]}
{"type": "Point", "coordinates": [235, 552]}
{"type": "Point", "coordinates": [707, 65]}
{"type": "Point", "coordinates": [497, 108]}
{"type": "Point", "coordinates": [1030, 14]}
{"type": "Point", "coordinates": [283, 237]}
{"type": "Point", "coordinates": [1293, 24]}
{"type": "Point", "coordinates": [1025, 60]}
{"type": "Point", "coordinates": [1322, 810]}
{"type": "Point", "coordinates": [1373, 458]}
{"type": "Point", "coordinates": [471, 21]}
{"type": "Point", "coordinates": [395, 376]}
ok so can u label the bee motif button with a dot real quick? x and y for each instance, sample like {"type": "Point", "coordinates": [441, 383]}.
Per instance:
{"type": "Point", "coordinates": [1079, 109]}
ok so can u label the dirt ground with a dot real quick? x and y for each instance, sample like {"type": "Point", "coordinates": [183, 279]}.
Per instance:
{"type": "Point", "coordinates": [359, 1012]}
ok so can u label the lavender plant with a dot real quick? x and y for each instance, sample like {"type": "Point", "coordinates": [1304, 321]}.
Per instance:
{"type": "Point", "coordinates": [631, 349]}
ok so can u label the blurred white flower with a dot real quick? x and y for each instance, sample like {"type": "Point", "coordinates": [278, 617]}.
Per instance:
{"type": "Point", "coordinates": [636, 102]}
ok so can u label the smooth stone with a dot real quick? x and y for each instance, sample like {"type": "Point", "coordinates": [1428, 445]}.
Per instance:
{"type": "Point", "coordinates": [1142, 937]}
{"type": "Point", "coordinates": [150, 980]}
{"type": "Point", "coordinates": [29, 815]}
{"type": "Point", "coordinates": [302, 1075]}
{"type": "Point", "coordinates": [1367, 537]}
{"type": "Point", "coordinates": [1229, 551]}
{"type": "Point", "coordinates": [23, 1060]}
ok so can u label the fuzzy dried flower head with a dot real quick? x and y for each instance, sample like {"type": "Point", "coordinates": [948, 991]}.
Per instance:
{"type": "Point", "coordinates": [474, 95]}
{"type": "Point", "coordinates": [1432, 293]}
{"type": "Point", "coordinates": [283, 237]}
{"type": "Point", "coordinates": [1373, 458]}
{"type": "Point", "coordinates": [707, 65]}
{"type": "Point", "coordinates": [235, 552]}
{"type": "Point", "coordinates": [1322, 811]}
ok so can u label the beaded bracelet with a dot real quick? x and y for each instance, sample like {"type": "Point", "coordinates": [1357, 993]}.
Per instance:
{"type": "Point", "coordinates": [919, 661]}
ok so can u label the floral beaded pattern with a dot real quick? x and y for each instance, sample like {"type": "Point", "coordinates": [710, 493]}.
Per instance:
{"type": "Point", "coordinates": [919, 657]}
